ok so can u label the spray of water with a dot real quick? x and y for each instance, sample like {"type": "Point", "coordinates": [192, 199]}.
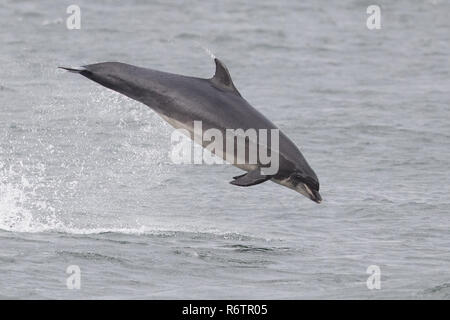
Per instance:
{"type": "Point", "coordinates": [207, 50]}
{"type": "Point", "coordinates": [17, 202]}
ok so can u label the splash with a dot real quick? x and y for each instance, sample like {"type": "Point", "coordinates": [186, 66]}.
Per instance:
{"type": "Point", "coordinates": [24, 208]}
{"type": "Point", "coordinates": [12, 215]}
{"type": "Point", "coordinates": [14, 199]}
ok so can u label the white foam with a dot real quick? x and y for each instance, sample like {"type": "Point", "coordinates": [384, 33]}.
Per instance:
{"type": "Point", "coordinates": [16, 194]}
{"type": "Point", "coordinates": [22, 209]}
{"type": "Point", "coordinates": [14, 216]}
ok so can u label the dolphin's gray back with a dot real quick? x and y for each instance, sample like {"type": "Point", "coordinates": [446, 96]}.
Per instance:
{"type": "Point", "coordinates": [181, 97]}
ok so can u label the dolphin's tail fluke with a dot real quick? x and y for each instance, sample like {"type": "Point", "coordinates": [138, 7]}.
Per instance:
{"type": "Point", "coordinates": [74, 69]}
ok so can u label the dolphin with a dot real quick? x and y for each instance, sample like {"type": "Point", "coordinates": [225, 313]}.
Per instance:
{"type": "Point", "coordinates": [182, 100]}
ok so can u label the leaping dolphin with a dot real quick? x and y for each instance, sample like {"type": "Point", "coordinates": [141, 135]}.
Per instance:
{"type": "Point", "coordinates": [181, 100]}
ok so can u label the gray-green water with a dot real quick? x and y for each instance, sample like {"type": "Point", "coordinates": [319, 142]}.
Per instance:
{"type": "Point", "coordinates": [85, 176]}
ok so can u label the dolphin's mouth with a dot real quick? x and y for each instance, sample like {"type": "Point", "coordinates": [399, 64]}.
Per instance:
{"type": "Point", "coordinates": [313, 194]}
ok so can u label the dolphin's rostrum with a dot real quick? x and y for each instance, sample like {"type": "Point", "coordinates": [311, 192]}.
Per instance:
{"type": "Point", "coordinates": [181, 100]}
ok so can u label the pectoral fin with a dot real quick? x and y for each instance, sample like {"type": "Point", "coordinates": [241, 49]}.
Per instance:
{"type": "Point", "coordinates": [250, 179]}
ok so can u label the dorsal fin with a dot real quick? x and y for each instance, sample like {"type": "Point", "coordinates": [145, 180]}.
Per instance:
{"type": "Point", "coordinates": [222, 77]}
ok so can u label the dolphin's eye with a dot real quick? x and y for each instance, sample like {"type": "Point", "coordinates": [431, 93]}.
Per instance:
{"type": "Point", "coordinates": [298, 176]}
{"type": "Point", "coordinates": [296, 179]}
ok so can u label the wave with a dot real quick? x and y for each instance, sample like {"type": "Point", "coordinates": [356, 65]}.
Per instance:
{"type": "Point", "coordinates": [29, 226]}
{"type": "Point", "coordinates": [441, 291]}
{"type": "Point", "coordinates": [15, 216]}
{"type": "Point", "coordinates": [24, 209]}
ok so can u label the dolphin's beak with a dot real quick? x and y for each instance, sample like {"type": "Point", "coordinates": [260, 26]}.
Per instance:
{"type": "Point", "coordinates": [313, 194]}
